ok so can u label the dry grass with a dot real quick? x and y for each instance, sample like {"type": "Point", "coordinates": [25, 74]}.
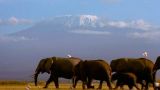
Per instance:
{"type": "Point", "coordinates": [17, 85]}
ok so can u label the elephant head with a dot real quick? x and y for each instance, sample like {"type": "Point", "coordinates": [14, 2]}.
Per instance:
{"type": "Point", "coordinates": [157, 64]}
{"type": "Point", "coordinates": [43, 66]}
{"type": "Point", "coordinates": [114, 77]}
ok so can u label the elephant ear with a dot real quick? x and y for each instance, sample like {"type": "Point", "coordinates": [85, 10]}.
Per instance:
{"type": "Point", "coordinates": [47, 65]}
{"type": "Point", "coordinates": [40, 66]}
{"type": "Point", "coordinates": [115, 64]}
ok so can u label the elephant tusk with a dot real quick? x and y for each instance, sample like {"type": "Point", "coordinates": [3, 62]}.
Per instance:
{"type": "Point", "coordinates": [33, 75]}
{"type": "Point", "coordinates": [52, 62]}
{"type": "Point", "coordinates": [154, 71]}
{"type": "Point", "coordinates": [157, 84]}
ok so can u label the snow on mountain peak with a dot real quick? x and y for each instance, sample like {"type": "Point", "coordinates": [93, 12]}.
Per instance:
{"type": "Point", "coordinates": [88, 19]}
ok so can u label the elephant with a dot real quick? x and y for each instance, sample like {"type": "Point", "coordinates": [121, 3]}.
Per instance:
{"type": "Point", "coordinates": [156, 68]}
{"type": "Point", "coordinates": [141, 67]}
{"type": "Point", "coordinates": [89, 70]}
{"type": "Point", "coordinates": [58, 67]}
{"type": "Point", "coordinates": [43, 66]}
{"type": "Point", "coordinates": [129, 79]}
{"type": "Point", "coordinates": [157, 64]}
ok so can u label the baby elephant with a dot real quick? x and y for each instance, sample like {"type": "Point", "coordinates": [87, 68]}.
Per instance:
{"type": "Point", "coordinates": [125, 79]}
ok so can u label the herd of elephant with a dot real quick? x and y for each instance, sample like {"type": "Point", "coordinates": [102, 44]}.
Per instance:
{"type": "Point", "coordinates": [127, 71]}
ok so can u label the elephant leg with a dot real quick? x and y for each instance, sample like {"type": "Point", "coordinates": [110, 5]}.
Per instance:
{"type": "Point", "coordinates": [146, 87]}
{"type": "Point", "coordinates": [154, 78]}
{"type": "Point", "coordinates": [116, 87]}
{"type": "Point", "coordinates": [130, 87]}
{"type": "Point", "coordinates": [89, 83]}
{"type": "Point", "coordinates": [100, 84]}
{"type": "Point", "coordinates": [56, 82]}
{"type": "Point", "coordinates": [119, 84]}
{"type": "Point", "coordinates": [83, 84]}
{"type": "Point", "coordinates": [136, 87]}
{"type": "Point", "coordinates": [55, 79]}
{"type": "Point", "coordinates": [35, 78]}
{"type": "Point", "coordinates": [75, 80]}
{"type": "Point", "coordinates": [121, 87]}
{"type": "Point", "coordinates": [154, 85]}
{"type": "Point", "coordinates": [48, 82]}
{"type": "Point", "coordinates": [142, 86]}
{"type": "Point", "coordinates": [109, 84]}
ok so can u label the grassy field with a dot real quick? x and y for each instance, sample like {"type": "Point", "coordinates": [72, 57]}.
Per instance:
{"type": "Point", "coordinates": [31, 86]}
{"type": "Point", "coordinates": [12, 85]}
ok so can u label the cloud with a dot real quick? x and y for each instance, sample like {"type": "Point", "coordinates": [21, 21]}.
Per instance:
{"type": "Point", "coordinates": [118, 24]}
{"type": "Point", "coordinates": [148, 35]}
{"type": "Point", "coordinates": [15, 21]}
{"type": "Point", "coordinates": [14, 38]}
{"type": "Point", "coordinates": [135, 24]}
{"type": "Point", "coordinates": [141, 24]}
{"type": "Point", "coordinates": [92, 32]}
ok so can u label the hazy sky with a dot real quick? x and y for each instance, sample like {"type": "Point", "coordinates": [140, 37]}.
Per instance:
{"type": "Point", "coordinates": [18, 14]}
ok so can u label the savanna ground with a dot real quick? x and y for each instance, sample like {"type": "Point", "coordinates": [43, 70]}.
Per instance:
{"type": "Point", "coordinates": [19, 85]}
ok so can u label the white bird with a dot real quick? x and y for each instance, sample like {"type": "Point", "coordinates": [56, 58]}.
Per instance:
{"type": "Point", "coordinates": [69, 55]}
{"type": "Point", "coordinates": [145, 54]}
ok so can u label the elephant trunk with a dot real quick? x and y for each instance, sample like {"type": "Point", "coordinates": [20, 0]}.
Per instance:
{"type": "Point", "coordinates": [35, 78]}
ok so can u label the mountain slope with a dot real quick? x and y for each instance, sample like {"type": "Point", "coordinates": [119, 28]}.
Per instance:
{"type": "Point", "coordinates": [84, 36]}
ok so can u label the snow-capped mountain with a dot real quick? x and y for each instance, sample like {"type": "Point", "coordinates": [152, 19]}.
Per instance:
{"type": "Point", "coordinates": [84, 36]}
{"type": "Point", "coordinates": [87, 24]}
{"type": "Point", "coordinates": [74, 21]}
{"type": "Point", "coordinates": [88, 20]}
{"type": "Point", "coordinates": [79, 24]}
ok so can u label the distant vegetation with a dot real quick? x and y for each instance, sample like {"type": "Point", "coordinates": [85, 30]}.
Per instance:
{"type": "Point", "coordinates": [14, 82]}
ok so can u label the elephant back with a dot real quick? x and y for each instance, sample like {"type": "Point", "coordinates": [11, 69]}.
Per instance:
{"type": "Point", "coordinates": [99, 62]}
{"type": "Point", "coordinates": [127, 65]}
{"type": "Point", "coordinates": [59, 61]}
{"type": "Point", "coordinates": [74, 60]}
{"type": "Point", "coordinates": [71, 60]}
{"type": "Point", "coordinates": [104, 64]}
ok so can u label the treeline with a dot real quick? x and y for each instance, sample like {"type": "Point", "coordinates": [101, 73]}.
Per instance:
{"type": "Point", "coordinates": [14, 82]}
